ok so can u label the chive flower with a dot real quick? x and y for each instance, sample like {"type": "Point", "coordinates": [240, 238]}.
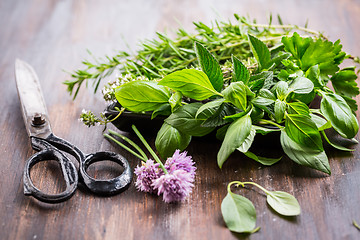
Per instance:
{"type": "Point", "coordinates": [174, 179]}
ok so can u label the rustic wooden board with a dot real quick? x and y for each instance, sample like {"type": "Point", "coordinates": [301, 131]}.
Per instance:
{"type": "Point", "coordinates": [54, 35]}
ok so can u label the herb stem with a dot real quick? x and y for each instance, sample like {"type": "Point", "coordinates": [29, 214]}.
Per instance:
{"type": "Point", "coordinates": [153, 154]}
{"type": "Point", "coordinates": [283, 27]}
{"type": "Point", "coordinates": [125, 147]}
{"type": "Point", "coordinates": [130, 142]}
{"type": "Point", "coordinates": [264, 121]}
{"type": "Point", "coordinates": [255, 184]}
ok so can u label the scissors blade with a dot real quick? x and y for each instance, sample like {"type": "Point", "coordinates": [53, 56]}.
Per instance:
{"type": "Point", "coordinates": [32, 101]}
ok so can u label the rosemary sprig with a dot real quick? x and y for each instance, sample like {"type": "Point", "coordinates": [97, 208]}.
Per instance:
{"type": "Point", "coordinates": [159, 57]}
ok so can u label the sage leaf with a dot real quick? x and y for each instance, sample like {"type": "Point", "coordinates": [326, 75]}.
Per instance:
{"type": "Point", "coordinates": [260, 52]}
{"type": "Point", "coordinates": [239, 213]}
{"type": "Point", "coordinates": [301, 85]}
{"type": "Point", "coordinates": [169, 139]}
{"type": "Point", "coordinates": [191, 83]}
{"type": "Point", "coordinates": [236, 94]}
{"type": "Point", "coordinates": [283, 203]}
{"type": "Point", "coordinates": [139, 96]}
{"type": "Point", "coordinates": [304, 155]}
{"type": "Point", "coordinates": [235, 135]}
{"type": "Point", "coordinates": [184, 120]}
{"type": "Point", "coordinates": [335, 109]}
{"type": "Point", "coordinates": [262, 160]}
{"type": "Point", "coordinates": [240, 71]}
{"type": "Point", "coordinates": [210, 66]}
{"type": "Point", "coordinates": [301, 129]}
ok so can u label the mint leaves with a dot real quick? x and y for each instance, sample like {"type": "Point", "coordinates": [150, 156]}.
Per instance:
{"type": "Point", "coordinates": [240, 215]}
{"type": "Point", "coordinates": [275, 92]}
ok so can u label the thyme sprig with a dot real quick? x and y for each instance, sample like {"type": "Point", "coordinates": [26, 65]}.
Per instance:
{"type": "Point", "coordinates": [159, 57]}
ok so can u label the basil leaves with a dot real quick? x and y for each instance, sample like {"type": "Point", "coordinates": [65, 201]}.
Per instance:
{"type": "Point", "coordinates": [240, 215]}
{"type": "Point", "coordinates": [272, 95]}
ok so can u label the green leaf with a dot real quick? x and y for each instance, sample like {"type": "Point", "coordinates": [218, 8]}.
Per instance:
{"type": "Point", "coordinates": [236, 94]}
{"type": "Point", "coordinates": [335, 109]}
{"type": "Point", "coordinates": [262, 160]}
{"type": "Point", "coordinates": [245, 146]}
{"type": "Point", "coordinates": [301, 129]}
{"type": "Point", "coordinates": [191, 83]}
{"type": "Point", "coordinates": [261, 80]}
{"type": "Point", "coordinates": [240, 71]}
{"type": "Point", "coordinates": [213, 113]}
{"type": "Point", "coordinates": [335, 145]}
{"type": "Point", "coordinates": [239, 213]}
{"type": "Point", "coordinates": [296, 45]}
{"type": "Point", "coordinates": [266, 94]}
{"type": "Point", "coordinates": [301, 85]}
{"type": "Point", "coordinates": [313, 73]}
{"type": "Point", "coordinates": [235, 136]}
{"type": "Point", "coordinates": [260, 52]}
{"type": "Point", "coordinates": [220, 133]}
{"type": "Point", "coordinates": [138, 96]}
{"type": "Point", "coordinates": [169, 139]}
{"type": "Point", "coordinates": [210, 66]}
{"type": "Point", "coordinates": [283, 203]}
{"type": "Point", "coordinates": [264, 130]}
{"type": "Point", "coordinates": [298, 108]}
{"type": "Point", "coordinates": [320, 122]}
{"type": "Point", "coordinates": [175, 100]}
{"type": "Point", "coordinates": [209, 109]}
{"type": "Point", "coordinates": [344, 83]}
{"type": "Point", "coordinates": [304, 155]}
{"type": "Point", "coordinates": [164, 110]}
{"type": "Point", "coordinates": [282, 90]}
{"type": "Point", "coordinates": [184, 120]}
{"type": "Point", "coordinates": [279, 109]}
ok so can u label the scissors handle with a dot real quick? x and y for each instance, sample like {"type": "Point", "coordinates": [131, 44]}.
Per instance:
{"type": "Point", "coordinates": [51, 147]}
{"type": "Point", "coordinates": [68, 170]}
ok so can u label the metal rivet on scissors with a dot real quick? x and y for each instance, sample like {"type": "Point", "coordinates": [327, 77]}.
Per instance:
{"type": "Point", "coordinates": [51, 147]}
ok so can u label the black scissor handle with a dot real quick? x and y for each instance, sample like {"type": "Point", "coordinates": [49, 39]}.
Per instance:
{"type": "Point", "coordinates": [68, 170]}
{"type": "Point", "coordinates": [110, 186]}
{"type": "Point", "coordinates": [53, 146]}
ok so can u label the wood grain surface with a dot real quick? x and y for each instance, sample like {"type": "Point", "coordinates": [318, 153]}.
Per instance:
{"type": "Point", "coordinates": [53, 36]}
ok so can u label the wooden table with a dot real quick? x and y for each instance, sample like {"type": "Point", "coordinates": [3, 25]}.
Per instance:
{"type": "Point", "coordinates": [53, 36]}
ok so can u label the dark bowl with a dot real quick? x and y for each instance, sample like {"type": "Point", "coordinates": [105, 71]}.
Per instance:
{"type": "Point", "coordinates": [142, 121]}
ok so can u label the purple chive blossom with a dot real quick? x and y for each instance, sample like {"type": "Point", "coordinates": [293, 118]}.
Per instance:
{"type": "Point", "coordinates": [174, 186]}
{"type": "Point", "coordinates": [146, 174]}
{"type": "Point", "coordinates": [180, 161]}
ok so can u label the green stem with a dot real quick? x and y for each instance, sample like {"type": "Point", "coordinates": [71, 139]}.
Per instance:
{"type": "Point", "coordinates": [157, 159]}
{"type": "Point", "coordinates": [255, 184]}
{"type": "Point", "coordinates": [263, 121]}
{"type": "Point", "coordinates": [283, 27]}
{"type": "Point", "coordinates": [130, 142]}
{"type": "Point", "coordinates": [125, 147]}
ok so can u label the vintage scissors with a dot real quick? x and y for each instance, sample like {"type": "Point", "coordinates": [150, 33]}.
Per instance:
{"type": "Point", "coordinates": [50, 147]}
